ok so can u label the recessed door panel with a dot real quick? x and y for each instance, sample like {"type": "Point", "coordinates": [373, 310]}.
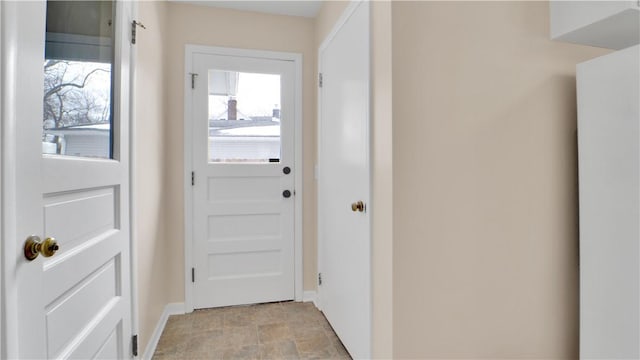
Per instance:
{"type": "Point", "coordinates": [84, 301]}
{"type": "Point", "coordinates": [80, 216]}
{"type": "Point", "coordinates": [249, 189]}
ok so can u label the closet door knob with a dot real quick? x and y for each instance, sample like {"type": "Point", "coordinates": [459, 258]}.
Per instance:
{"type": "Point", "coordinates": [358, 206]}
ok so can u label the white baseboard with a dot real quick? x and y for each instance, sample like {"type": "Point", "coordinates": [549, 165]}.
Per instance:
{"type": "Point", "coordinates": [310, 296]}
{"type": "Point", "coordinates": [169, 309]}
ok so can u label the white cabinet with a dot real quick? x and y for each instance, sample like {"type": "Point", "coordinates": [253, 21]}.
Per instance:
{"type": "Point", "coordinates": [607, 24]}
{"type": "Point", "coordinates": [609, 175]}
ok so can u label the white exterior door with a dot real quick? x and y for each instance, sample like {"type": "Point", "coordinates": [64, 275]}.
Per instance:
{"type": "Point", "coordinates": [243, 180]}
{"type": "Point", "coordinates": [344, 230]}
{"type": "Point", "coordinates": [76, 303]}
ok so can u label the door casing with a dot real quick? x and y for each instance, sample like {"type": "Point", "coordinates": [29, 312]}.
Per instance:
{"type": "Point", "coordinates": [190, 50]}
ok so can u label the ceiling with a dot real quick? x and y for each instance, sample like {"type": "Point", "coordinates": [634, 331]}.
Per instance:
{"type": "Point", "coordinates": [306, 8]}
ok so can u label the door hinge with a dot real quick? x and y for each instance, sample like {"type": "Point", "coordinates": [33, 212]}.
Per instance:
{"type": "Point", "coordinates": [134, 345]}
{"type": "Point", "coordinates": [193, 80]}
{"type": "Point", "coordinates": [134, 25]}
{"type": "Point", "coordinates": [193, 178]}
{"type": "Point", "coordinates": [319, 278]}
{"type": "Point", "coordinates": [319, 79]}
{"type": "Point", "coordinates": [193, 275]}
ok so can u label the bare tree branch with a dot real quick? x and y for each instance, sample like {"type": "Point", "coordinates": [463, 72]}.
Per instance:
{"type": "Point", "coordinates": [67, 100]}
{"type": "Point", "coordinates": [59, 87]}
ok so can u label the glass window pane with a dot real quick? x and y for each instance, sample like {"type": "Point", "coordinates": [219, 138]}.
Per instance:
{"type": "Point", "coordinates": [77, 113]}
{"type": "Point", "coordinates": [244, 117]}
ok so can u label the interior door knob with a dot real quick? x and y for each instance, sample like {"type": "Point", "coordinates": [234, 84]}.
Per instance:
{"type": "Point", "coordinates": [358, 206]}
{"type": "Point", "coordinates": [33, 246]}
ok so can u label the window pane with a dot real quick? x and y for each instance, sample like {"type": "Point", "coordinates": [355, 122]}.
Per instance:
{"type": "Point", "coordinates": [77, 113]}
{"type": "Point", "coordinates": [244, 117]}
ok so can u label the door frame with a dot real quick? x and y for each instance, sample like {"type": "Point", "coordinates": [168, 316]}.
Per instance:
{"type": "Point", "coordinates": [296, 58]}
{"type": "Point", "coordinates": [9, 29]}
{"type": "Point", "coordinates": [8, 43]}
{"type": "Point", "coordinates": [133, 184]}
{"type": "Point", "coordinates": [346, 14]}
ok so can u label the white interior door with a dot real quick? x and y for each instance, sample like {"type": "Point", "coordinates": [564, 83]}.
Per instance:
{"type": "Point", "coordinates": [243, 181]}
{"type": "Point", "coordinates": [344, 234]}
{"type": "Point", "coordinates": [76, 303]}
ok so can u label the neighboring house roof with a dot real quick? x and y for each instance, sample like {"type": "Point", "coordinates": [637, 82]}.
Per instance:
{"type": "Point", "coordinates": [88, 129]}
{"type": "Point", "coordinates": [261, 127]}
{"type": "Point", "coordinates": [270, 130]}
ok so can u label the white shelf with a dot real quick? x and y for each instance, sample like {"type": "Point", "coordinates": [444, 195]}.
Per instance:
{"type": "Point", "coordinates": [607, 24]}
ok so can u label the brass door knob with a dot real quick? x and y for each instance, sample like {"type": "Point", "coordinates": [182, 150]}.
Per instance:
{"type": "Point", "coordinates": [34, 246]}
{"type": "Point", "coordinates": [358, 206]}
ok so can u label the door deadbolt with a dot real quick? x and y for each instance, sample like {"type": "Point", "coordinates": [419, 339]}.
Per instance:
{"type": "Point", "coordinates": [358, 206]}
{"type": "Point", "coordinates": [286, 170]}
{"type": "Point", "coordinates": [286, 194]}
{"type": "Point", "coordinates": [33, 246]}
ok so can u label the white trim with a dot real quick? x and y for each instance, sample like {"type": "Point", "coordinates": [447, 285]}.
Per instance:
{"type": "Point", "coordinates": [310, 296]}
{"type": "Point", "coordinates": [188, 188]}
{"type": "Point", "coordinates": [347, 13]}
{"type": "Point", "coordinates": [169, 309]}
{"type": "Point", "coordinates": [122, 110]}
{"type": "Point", "coordinates": [133, 224]}
{"type": "Point", "coordinates": [2, 355]}
{"type": "Point", "coordinates": [298, 165]}
{"type": "Point", "coordinates": [190, 50]}
{"type": "Point", "coordinates": [8, 70]}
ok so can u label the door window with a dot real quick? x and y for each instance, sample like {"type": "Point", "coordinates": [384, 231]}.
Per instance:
{"type": "Point", "coordinates": [78, 78]}
{"type": "Point", "coordinates": [244, 117]}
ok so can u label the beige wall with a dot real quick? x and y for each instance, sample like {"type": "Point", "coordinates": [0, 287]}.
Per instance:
{"type": "Point", "coordinates": [474, 183]}
{"type": "Point", "coordinates": [328, 15]}
{"type": "Point", "coordinates": [149, 189]}
{"type": "Point", "coordinates": [485, 182]}
{"type": "Point", "coordinates": [203, 25]}
{"type": "Point", "coordinates": [159, 125]}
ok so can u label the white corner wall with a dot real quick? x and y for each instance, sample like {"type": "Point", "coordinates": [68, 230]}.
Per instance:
{"type": "Point", "coordinates": [609, 157]}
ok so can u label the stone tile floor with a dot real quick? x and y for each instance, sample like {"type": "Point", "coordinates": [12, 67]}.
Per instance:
{"type": "Point", "coordinates": [287, 330]}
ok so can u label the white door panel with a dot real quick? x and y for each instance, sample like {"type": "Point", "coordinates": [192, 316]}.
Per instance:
{"type": "Point", "coordinates": [344, 179]}
{"type": "Point", "coordinates": [77, 303]}
{"type": "Point", "coordinates": [243, 226]}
